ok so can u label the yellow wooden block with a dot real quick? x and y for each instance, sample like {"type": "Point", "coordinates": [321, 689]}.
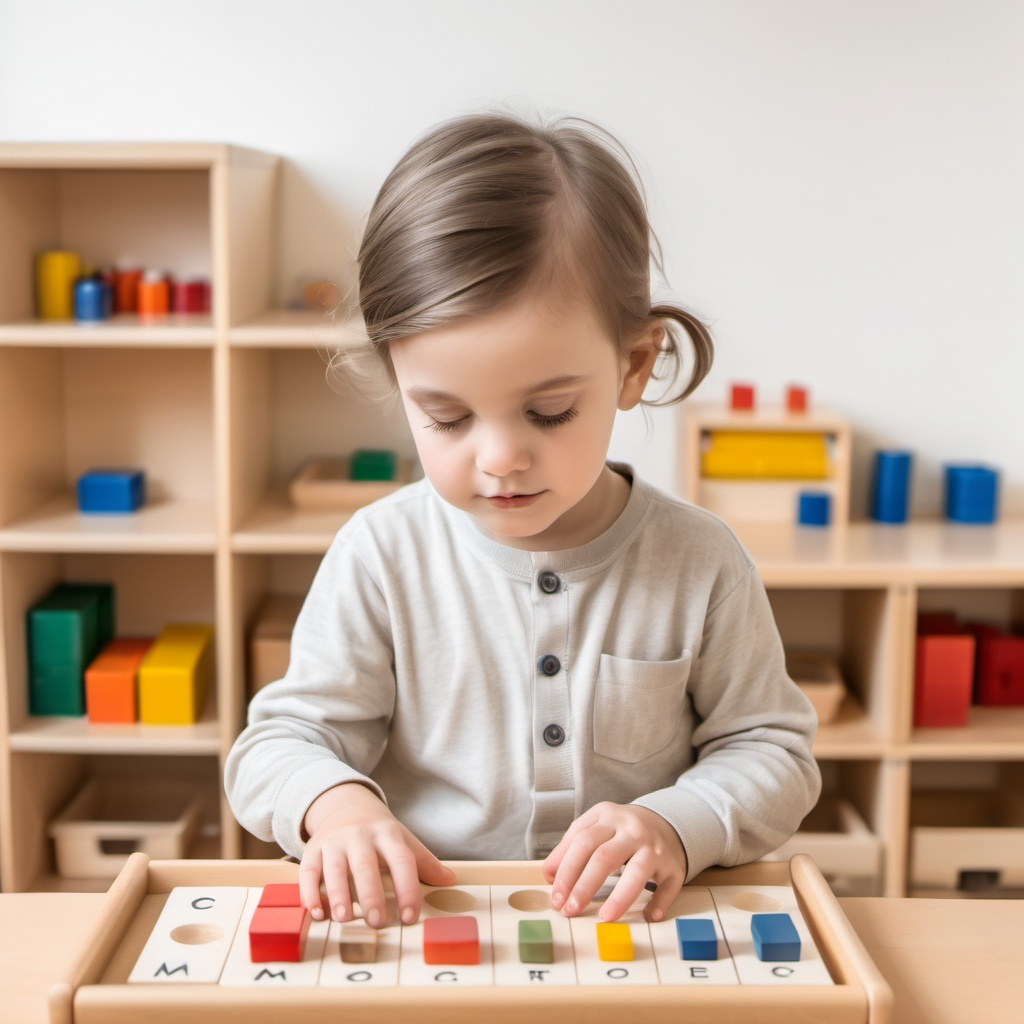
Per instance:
{"type": "Point", "coordinates": [765, 455]}
{"type": "Point", "coordinates": [614, 941]}
{"type": "Point", "coordinates": [176, 676]}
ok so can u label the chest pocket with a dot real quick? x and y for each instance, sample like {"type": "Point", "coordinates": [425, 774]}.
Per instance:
{"type": "Point", "coordinates": [638, 706]}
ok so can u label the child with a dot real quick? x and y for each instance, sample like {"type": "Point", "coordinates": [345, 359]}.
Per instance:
{"type": "Point", "coordinates": [531, 653]}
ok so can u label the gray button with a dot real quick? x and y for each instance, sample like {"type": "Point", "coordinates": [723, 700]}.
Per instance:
{"type": "Point", "coordinates": [554, 735]}
{"type": "Point", "coordinates": [549, 582]}
{"type": "Point", "coordinates": [549, 665]}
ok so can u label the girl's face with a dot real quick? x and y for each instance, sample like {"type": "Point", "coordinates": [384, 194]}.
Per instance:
{"type": "Point", "coordinates": [512, 415]}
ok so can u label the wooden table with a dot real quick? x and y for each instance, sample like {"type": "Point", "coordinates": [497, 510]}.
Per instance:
{"type": "Point", "coordinates": [948, 961]}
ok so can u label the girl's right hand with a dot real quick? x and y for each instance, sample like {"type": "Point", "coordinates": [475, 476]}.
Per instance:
{"type": "Point", "coordinates": [352, 835]}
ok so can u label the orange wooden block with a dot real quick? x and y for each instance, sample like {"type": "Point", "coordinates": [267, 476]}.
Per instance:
{"type": "Point", "coordinates": [741, 397]}
{"type": "Point", "coordinates": [110, 682]}
{"type": "Point", "coordinates": [451, 940]}
{"type": "Point", "coordinates": [796, 399]}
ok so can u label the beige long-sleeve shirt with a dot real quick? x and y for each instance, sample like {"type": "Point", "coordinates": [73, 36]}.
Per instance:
{"type": "Point", "coordinates": [491, 695]}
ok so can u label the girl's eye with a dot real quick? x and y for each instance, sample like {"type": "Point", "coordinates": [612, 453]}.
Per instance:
{"type": "Point", "coordinates": [443, 426]}
{"type": "Point", "coordinates": [554, 421]}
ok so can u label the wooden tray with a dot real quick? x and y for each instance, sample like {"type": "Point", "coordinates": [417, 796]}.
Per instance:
{"type": "Point", "coordinates": [94, 989]}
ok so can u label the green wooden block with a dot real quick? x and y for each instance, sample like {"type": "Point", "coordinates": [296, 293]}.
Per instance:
{"type": "Point", "coordinates": [373, 464]}
{"type": "Point", "coordinates": [66, 630]}
{"type": "Point", "coordinates": [536, 943]}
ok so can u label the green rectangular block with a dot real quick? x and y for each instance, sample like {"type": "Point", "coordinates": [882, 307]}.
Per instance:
{"type": "Point", "coordinates": [65, 630]}
{"type": "Point", "coordinates": [536, 943]}
{"type": "Point", "coordinates": [373, 464]}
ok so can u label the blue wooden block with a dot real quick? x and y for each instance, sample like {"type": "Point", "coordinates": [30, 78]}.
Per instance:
{"type": "Point", "coordinates": [890, 492]}
{"type": "Point", "coordinates": [815, 508]}
{"type": "Point", "coordinates": [697, 938]}
{"type": "Point", "coordinates": [971, 494]}
{"type": "Point", "coordinates": [775, 937]}
{"type": "Point", "coordinates": [111, 490]}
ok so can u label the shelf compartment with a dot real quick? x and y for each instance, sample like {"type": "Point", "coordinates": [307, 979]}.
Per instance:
{"type": "Point", "coordinates": [74, 410]}
{"type": "Point", "coordinates": [192, 330]}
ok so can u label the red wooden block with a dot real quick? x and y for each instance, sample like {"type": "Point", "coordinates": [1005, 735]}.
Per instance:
{"type": "Point", "coordinates": [280, 894]}
{"type": "Point", "coordinates": [943, 677]}
{"type": "Point", "coordinates": [1000, 668]}
{"type": "Point", "coordinates": [796, 399]}
{"type": "Point", "coordinates": [451, 940]}
{"type": "Point", "coordinates": [741, 397]}
{"type": "Point", "coordinates": [278, 933]}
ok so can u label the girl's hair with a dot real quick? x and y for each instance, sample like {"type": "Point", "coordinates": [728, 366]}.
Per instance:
{"type": "Point", "coordinates": [485, 207]}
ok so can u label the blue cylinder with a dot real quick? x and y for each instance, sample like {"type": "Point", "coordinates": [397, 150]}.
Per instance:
{"type": "Point", "coordinates": [92, 299]}
{"type": "Point", "coordinates": [891, 486]}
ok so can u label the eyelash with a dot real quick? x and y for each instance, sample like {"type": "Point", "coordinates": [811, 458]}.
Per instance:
{"type": "Point", "coordinates": [544, 422]}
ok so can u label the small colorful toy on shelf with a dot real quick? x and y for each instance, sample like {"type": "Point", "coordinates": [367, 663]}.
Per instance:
{"type": "Point", "coordinates": [111, 490]}
{"type": "Point", "coordinates": [890, 491]}
{"type": "Point", "coordinates": [971, 494]}
{"type": "Point", "coordinates": [814, 508]}
{"type": "Point", "coordinates": [346, 484]}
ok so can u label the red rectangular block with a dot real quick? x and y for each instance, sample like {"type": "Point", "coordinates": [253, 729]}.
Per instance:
{"type": "Point", "coordinates": [451, 940]}
{"type": "Point", "coordinates": [1000, 668]}
{"type": "Point", "coordinates": [741, 397]}
{"type": "Point", "coordinates": [278, 933]}
{"type": "Point", "coordinates": [943, 678]}
{"type": "Point", "coordinates": [280, 894]}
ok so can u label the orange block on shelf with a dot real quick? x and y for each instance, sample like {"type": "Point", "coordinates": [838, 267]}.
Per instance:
{"type": "Point", "coordinates": [451, 940]}
{"type": "Point", "coordinates": [111, 694]}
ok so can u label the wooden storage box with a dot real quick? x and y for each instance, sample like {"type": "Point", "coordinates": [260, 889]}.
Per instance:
{"type": "Point", "coordinates": [820, 679]}
{"type": "Point", "coordinates": [837, 839]}
{"type": "Point", "coordinates": [324, 484]}
{"type": "Point", "coordinates": [108, 820]}
{"type": "Point", "coordinates": [963, 840]}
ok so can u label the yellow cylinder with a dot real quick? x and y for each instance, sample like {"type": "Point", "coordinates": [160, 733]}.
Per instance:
{"type": "Point", "coordinates": [56, 271]}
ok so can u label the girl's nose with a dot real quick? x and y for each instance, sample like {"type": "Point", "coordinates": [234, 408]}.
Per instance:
{"type": "Point", "coordinates": [501, 452]}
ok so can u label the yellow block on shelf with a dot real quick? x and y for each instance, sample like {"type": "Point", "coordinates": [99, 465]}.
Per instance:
{"type": "Point", "coordinates": [765, 455]}
{"type": "Point", "coordinates": [176, 676]}
{"type": "Point", "coordinates": [614, 941]}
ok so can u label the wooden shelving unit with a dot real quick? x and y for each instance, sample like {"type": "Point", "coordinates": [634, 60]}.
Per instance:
{"type": "Point", "coordinates": [220, 410]}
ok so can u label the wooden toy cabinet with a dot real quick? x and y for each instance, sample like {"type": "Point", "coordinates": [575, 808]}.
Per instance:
{"type": "Point", "coordinates": [219, 409]}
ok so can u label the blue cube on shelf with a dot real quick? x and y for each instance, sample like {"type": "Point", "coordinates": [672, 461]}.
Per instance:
{"type": "Point", "coordinates": [815, 508]}
{"type": "Point", "coordinates": [775, 937]}
{"type": "Point", "coordinates": [111, 490]}
{"type": "Point", "coordinates": [697, 938]}
{"type": "Point", "coordinates": [971, 494]}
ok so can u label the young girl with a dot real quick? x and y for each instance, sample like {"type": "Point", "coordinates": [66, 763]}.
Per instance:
{"type": "Point", "coordinates": [531, 653]}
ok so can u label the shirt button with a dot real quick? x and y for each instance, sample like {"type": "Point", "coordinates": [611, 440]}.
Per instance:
{"type": "Point", "coordinates": [554, 735]}
{"type": "Point", "coordinates": [549, 582]}
{"type": "Point", "coordinates": [549, 665]}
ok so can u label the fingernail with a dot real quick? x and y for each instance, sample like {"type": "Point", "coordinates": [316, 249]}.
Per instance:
{"type": "Point", "coordinates": [337, 912]}
{"type": "Point", "coordinates": [557, 899]}
{"type": "Point", "coordinates": [657, 915]}
{"type": "Point", "coordinates": [408, 915]}
{"type": "Point", "coordinates": [317, 913]}
{"type": "Point", "coordinates": [571, 907]}
{"type": "Point", "coordinates": [373, 918]}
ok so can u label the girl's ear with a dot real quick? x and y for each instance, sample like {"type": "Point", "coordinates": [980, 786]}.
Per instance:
{"type": "Point", "coordinates": [641, 359]}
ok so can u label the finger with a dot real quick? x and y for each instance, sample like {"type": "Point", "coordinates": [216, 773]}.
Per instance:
{"type": "Point", "coordinates": [339, 893]}
{"type": "Point", "coordinates": [405, 879]}
{"type": "Point", "coordinates": [428, 868]}
{"type": "Point", "coordinates": [634, 877]}
{"type": "Point", "coordinates": [668, 889]}
{"type": "Point", "coordinates": [584, 868]}
{"type": "Point", "coordinates": [309, 882]}
{"type": "Point", "coordinates": [364, 864]}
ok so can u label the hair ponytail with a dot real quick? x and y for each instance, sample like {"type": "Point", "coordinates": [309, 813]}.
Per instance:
{"type": "Point", "coordinates": [700, 342]}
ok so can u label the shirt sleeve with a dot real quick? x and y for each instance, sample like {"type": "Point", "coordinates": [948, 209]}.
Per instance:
{"type": "Point", "coordinates": [326, 722]}
{"type": "Point", "coordinates": [754, 778]}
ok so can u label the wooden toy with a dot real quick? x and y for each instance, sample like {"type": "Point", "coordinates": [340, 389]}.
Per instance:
{"type": "Point", "coordinates": [373, 464]}
{"type": "Point", "coordinates": [536, 942]}
{"type": "Point", "coordinates": [111, 682]}
{"type": "Point", "coordinates": [153, 295]}
{"type": "Point", "coordinates": [971, 494]}
{"type": "Point", "coordinates": [111, 490]}
{"type": "Point", "coordinates": [890, 490]}
{"type": "Point", "coordinates": [109, 819]}
{"type": "Point", "coordinates": [176, 675]}
{"type": "Point", "coordinates": [270, 641]}
{"type": "Point", "coordinates": [327, 484]}
{"type": "Point", "coordinates": [943, 679]}
{"type": "Point", "coordinates": [765, 455]}
{"type": "Point", "coordinates": [451, 940]}
{"type": "Point", "coordinates": [741, 397]}
{"type": "Point", "coordinates": [65, 631]}
{"type": "Point", "coordinates": [56, 271]}
{"type": "Point", "coordinates": [614, 942]}
{"type": "Point", "coordinates": [814, 508]}
{"type": "Point", "coordinates": [796, 399]}
{"type": "Point", "coordinates": [820, 680]}
{"type": "Point", "coordinates": [172, 943]}
{"type": "Point", "coordinates": [775, 937]}
{"type": "Point", "coordinates": [999, 667]}
{"type": "Point", "coordinates": [278, 934]}
{"type": "Point", "coordinates": [697, 938]}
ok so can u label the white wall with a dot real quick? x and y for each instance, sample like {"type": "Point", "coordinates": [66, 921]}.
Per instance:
{"type": "Point", "coordinates": [837, 185]}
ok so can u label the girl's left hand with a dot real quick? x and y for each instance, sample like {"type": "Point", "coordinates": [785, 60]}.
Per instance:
{"type": "Point", "coordinates": [608, 837]}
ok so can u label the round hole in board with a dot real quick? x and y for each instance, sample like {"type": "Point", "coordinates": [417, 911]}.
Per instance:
{"type": "Point", "coordinates": [197, 934]}
{"type": "Point", "coordinates": [756, 903]}
{"type": "Point", "coordinates": [530, 901]}
{"type": "Point", "coordinates": [451, 901]}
